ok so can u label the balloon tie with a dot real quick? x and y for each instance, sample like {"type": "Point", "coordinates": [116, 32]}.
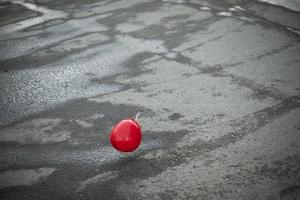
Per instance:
{"type": "Point", "coordinates": [136, 117]}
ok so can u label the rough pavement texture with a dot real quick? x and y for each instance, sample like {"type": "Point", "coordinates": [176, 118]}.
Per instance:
{"type": "Point", "coordinates": [217, 84]}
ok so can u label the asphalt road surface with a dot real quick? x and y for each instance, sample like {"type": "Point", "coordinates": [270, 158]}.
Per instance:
{"type": "Point", "coordinates": [216, 83]}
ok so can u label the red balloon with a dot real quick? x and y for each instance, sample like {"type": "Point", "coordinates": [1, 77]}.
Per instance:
{"type": "Point", "coordinates": [126, 136]}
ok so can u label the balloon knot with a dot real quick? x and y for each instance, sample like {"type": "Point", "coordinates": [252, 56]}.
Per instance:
{"type": "Point", "coordinates": [136, 117]}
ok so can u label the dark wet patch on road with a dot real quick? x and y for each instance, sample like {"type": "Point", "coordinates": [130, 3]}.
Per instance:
{"type": "Point", "coordinates": [175, 116]}
{"type": "Point", "coordinates": [122, 15]}
{"type": "Point", "coordinates": [176, 34]}
{"type": "Point", "coordinates": [135, 64]}
{"type": "Point", "coordinates": [290, 193]}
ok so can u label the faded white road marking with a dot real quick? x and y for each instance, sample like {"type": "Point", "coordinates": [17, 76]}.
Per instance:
{"type": "Point", "coordinates": [97, 179]}
{"type": "Point", "coordinates": [84, 123]}
{"type": "Point", "coordinates": [225, 14]}
{"type": "Point", "coordinates": [205, 8]}
{"type": "Point", "coordinates": [236, 8]}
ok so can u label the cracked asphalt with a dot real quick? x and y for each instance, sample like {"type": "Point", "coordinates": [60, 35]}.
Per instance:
{"type": "Point", "coordinates": [216, 83]}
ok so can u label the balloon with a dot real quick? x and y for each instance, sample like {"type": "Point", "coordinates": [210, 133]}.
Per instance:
{"type": "Point", "coordinates": [126, 136]}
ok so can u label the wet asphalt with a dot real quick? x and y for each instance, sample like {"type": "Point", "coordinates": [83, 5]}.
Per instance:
{"type": "Point", "coordinates": [216, 83]}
